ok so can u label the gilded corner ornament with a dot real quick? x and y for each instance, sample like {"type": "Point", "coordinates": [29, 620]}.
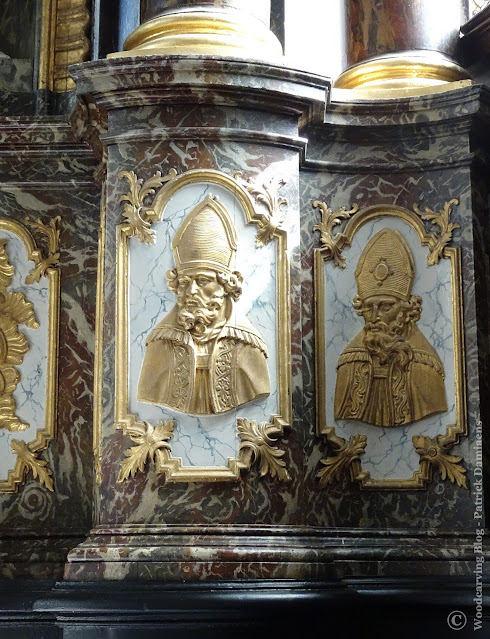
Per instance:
{"type": "Point", "coordinates": [29, 462]}
{"type": "Point", "coordinates": [50, 233]}
{"type": "Point", "coordinates": [152, 446]}
{"type": "Point", "coordinates": [333, 243]}
{"type": "Point", "coordinates": [256, 444]}
{"type": "Point", "coordinates": [434, 453]}
{"type": "Point", "coordinates": [273, 205]}
{"type": "Point", "coordinates": [437, 241]}
{"type": "Point", "coordinates": [138, 216]}
{"type": "Point", "coordinates": [346, 454]}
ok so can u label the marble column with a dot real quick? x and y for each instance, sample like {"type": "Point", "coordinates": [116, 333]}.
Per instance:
{"type": "Point", "coordinates": [397, 44]}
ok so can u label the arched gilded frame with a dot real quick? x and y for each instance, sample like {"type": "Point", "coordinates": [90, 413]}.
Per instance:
{"type": "Point", "coordinates": [348, 440]}
{"type": "Point", "coordinates": [256, 436]}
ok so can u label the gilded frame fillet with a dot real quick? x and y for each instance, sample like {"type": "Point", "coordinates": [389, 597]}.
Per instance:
{"type": "Point", "coordinates": [346, 454]}
{"type": "Point", "coordinates": [44, 266]}
{"type": "Point", "coordinates": [256, 439]}
{"type": "Point", "coordinates": [63, 42]}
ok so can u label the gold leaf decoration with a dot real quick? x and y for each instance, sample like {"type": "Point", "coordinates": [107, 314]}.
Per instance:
{"type": "Point", "coordinates": [136, 214]}
{"type": "Point", "coordinates": [333, 244]}
{"type": "Point", "coordinates": [51, 235]}
{"type": "Point", "coordinates": [430, 450]}
{"type": "Point", "coordinates": [30, 462]}
{"type": "Point", "coordinates": [438, 241]}
{"type": "Point", "coordinates": [268, 195]}
{"type": "Point", "coordinates": [152, 445]}
{"type": "Point", "coordinates": [346, 452]}
{"type": "Point", "coordinates": [257, 445]}
{"type": "Point", "coordinates": [14, 310]}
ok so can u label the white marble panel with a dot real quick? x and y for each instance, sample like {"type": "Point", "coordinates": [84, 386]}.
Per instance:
{"type": "Point", "coordinates": [390, 453]}
{"type": "Point", "coordinates": [30, 394]}
{"type": "Point", "coordinates": [201, 440]}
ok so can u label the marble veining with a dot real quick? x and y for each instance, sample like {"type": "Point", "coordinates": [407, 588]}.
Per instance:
{"type": "Point", "coordinates": [204, 440]}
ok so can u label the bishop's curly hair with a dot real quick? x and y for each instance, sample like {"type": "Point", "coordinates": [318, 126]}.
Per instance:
{"type": "Point", "coordinates": [231, 282]}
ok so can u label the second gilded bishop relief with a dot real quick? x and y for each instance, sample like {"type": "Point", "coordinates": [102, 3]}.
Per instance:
{"type": "Point", "coordinates": [203, 384]}
{"type": "Point", "coordinates": [390, 383]}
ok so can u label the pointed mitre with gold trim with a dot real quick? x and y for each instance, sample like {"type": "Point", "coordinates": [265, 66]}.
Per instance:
{"type": "Point", "coordinates": [386, 267]}
{"type": "Point", "coordinates": [206, 238]}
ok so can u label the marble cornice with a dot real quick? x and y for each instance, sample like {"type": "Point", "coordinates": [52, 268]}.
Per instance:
{"type": "Point", "coordinates": [174, 79]}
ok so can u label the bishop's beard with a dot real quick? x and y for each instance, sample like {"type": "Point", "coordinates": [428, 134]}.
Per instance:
{"type": "Point", "coordinates": [197, 316]}
{"type": "Point", "coordinates": [388, 343]}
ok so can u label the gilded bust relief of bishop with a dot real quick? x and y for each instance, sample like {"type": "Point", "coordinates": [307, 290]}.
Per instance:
{"type": "Point", "coordinates": [202, 358]}
{"type": "Point", "coordinates": [389, 374]}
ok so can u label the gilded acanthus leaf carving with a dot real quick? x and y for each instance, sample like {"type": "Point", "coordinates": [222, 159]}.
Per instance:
{"type": "Point", "coordinates": [136, 214]}
{"type": "Point", "coordinates": [30, 462]}
{"type": "Point", "coordinates": [152, 445]}
{"type": "Point", "coordinates": [346, 452]}
{"type": "Point", "coordinates": [268, 195]}
{"type": "Point", "coordinates": [14, 310]}
{"type": "Point", "coordinates": [333, 243]}
{"type": "Point", "coordinates": [432, 451]}
{"type": "Point", "coordinates": [438, 240]}
{"type": "Point", "coordinates": [51, 235]}
{"type": "Point", "coordinates": [257, 445]}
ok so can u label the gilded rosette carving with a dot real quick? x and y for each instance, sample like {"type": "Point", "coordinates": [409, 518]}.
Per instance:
{"type": "Point", "coordinates": [203, 358]}
{"type": "Point", "coordinates": [389, 375]}
{"type": "Point", "coordinates": [16, 310]}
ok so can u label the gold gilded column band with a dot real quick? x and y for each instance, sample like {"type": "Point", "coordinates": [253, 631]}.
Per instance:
{"type": "Point", "coordinates": [212, 32]}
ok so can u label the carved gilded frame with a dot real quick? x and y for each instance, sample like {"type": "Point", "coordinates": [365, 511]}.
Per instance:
{"type": "Point", "coordinates": [433, 452]}
{"type": "Point", "coordinates": [44, 266]}
{"type": "Point", "coordinates": [256, 439]}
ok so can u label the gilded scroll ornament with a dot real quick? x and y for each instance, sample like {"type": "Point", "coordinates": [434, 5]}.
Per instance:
{"type": "Point", "coordinates": [257, 445]}
{"type": "Point", "coordinates": [152, 445]}
{"type": "Point", "coordinates": [138, 216]}
{"type": "Point", "coordinates": [438, 240]}
{"type": "Point", "coordinates": [346, 452]}
{"type": "Point", "coordinates": [333, 243]}
{"type": "Point", "coordinates": [389, 374]}
{"type": "Point", "coordinates": [51, 236]}
{"type": "Point", "coordinates": [273, 212]}
{"type": "Point", "coordinates": [431, 451]}
{"type": "Point", "coordinates": [29, 462]}
{"type": "Point", "coordinates": [14, 310]}
{"type": "Point", "coordinates": [202, 358]}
